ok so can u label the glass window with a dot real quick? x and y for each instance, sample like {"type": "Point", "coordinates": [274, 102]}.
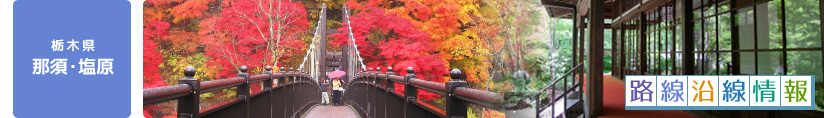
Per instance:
{"type": "Point", "coordinates": [805, 63]}
{"type": "Point", "coordinates": [744, 22]}
{"type": "Point", "coordinates": [770, 63]}
{"type": "Point", "coordinates": [804, 23]}
{"type": "Point", "coordinates": [747, 60]}
{"type": "Point", "coordinates": [768, 25]}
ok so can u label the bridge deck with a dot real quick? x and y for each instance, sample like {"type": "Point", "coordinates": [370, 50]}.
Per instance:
{"type": "Point", "coordinates": [323, 111]}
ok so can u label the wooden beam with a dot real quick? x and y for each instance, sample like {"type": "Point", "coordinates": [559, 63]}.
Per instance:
{"type": "Point", "coordinates": [606, 26]}
{"type": "Point", "coordinates": [644, 6]}
{"type": "Point", "coordinates": [557, 4]}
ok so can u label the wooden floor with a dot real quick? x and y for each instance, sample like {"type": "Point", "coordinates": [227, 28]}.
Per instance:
{"type": "Point", "coordinates": [326, 111]}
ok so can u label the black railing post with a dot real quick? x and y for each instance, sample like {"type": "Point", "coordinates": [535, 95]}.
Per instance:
{"type": "Point", "coordinates": [378, 81]}
{"type": "Point", "coordinates": [288, 76]}
{"type": "Point", "coordinates": [189, 106]}
{"type": "Point", "coordinates": [410, 92]}
{"type": "Point", "coordinates": [376, 97]}
{"type": "Point", "coordinates": [267, 87]}
{"type": "Point", "coordinates": [368, 97]}
{"type": "Point", "coordinates": [301, 98]}
{"type": "Point", "coordinates": [282, 102]}
{"type": "Point", "coordinates": [290, 95]}
{"type": "Point", "coordinates": [268, 83]}
{"type": "Point", "coordinates": [390, 87]}
{"type": "Point", "coordinates": [455, 108]}
{"type": "Point", "coordinates": [282, 78]}
{"type": "Point", "coordinates": [243, 91]}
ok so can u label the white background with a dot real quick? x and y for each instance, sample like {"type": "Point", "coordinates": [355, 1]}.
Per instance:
{"type": "Point", "coordinates": [710, 81]}
{"type": "Point", "coordinates": [6, 49]}
{"type": "Point", "coordinates": [721, 88]}
{"type": "Point", "coordinates": [684, 88]}
{"type": "Point", "coordinates": [809, 94]}
{"type": "Point", "coordinates": [776, 85]}
{"type": "Point", "coordinates": [628, 93]}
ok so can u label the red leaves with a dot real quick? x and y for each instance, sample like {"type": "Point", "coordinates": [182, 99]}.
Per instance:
{"type": "Point", "coordinates": [190, 9]}
{"type": "Point", "coordinates": [253, 33]}
{"type": "Point", "coordinates": [385, 39]}
{"type": "Point", "coordinates": [151, 57]}
{"type": "Point", "coordinates": [155, 30]}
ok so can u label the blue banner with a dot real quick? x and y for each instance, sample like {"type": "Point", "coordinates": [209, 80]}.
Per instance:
{"type": "Point", "coordinates": [71, 58]}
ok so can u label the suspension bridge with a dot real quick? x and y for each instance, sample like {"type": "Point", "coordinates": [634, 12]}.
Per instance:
{"type": "Point", "coordinates": [368, 93]}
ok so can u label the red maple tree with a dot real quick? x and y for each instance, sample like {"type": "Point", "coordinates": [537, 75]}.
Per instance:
{"type": "Point", "coordinates": [385, 39]}
{"type": "Point", "coordinates": [253, 33]}
{"type": "Point", "coordinates": [151, 57]}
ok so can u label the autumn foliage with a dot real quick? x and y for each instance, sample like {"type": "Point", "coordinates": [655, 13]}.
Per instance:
{"type": "Point", "coordinates": [432, 36]}
{"type": "Point", "coordinates": [219, 36]}
{"type": "Point", "coordinates": [390, 40]}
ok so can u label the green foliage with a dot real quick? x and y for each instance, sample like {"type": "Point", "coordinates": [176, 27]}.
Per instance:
{"type": "Point", "coordinates": [470, 114]}
{"type": "Point", "coordinates": [174, 64]}
{"type": "Point", "coordinates": [440, 100]}
{"type": "Point", "coordinates": [523, 91]}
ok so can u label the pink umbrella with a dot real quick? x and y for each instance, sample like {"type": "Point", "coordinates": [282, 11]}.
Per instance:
{"type": "Point", "coordinates": [336, 74]}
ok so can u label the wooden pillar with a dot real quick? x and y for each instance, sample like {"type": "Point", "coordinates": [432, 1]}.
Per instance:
{"type": "Point", "coordinates": [623, 55]}
{"type": "Point", "coordinates": [575, 32]}
{"type": "Point", "coordinates": [642, 44]}
{"type": "Point", "coordinates": [688, 37]}
{"type": "Point", "coordinates": [613, 51]}
{"type": "Point", "coordinates": [595, 72]}
{"type": "Point", "coordinates": [323, 60]}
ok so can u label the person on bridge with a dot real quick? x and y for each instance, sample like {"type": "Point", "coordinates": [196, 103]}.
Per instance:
{"type": "Point", "coordinates": [336, 90]}
{"type": "Point", "coordinates": [337, 85]}
{"type": "Point", "coordinates": [325, 96]}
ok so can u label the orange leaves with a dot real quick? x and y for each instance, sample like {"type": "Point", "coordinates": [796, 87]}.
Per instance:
{"type": "Point", "coordinates": [153, 14]}
{"type": "Point", "coordinates": [185, 41]}
{"type": "Point", "coordinates": [460, 34]}
{"type": "Point", "coordinates": [189, 9]}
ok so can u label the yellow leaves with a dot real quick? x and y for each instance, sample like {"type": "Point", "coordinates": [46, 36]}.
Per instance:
{"type": "Point", "coordinates": [469, 9]}
{"type": "Point", "coordinates": [467, 45]}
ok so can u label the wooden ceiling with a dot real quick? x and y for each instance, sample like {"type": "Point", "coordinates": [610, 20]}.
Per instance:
{"type": "Point", "coordinates": [564, 8]}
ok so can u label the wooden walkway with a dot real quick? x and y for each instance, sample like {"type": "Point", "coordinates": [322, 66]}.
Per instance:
{"type": "Point", "coordinates": [325, 111]}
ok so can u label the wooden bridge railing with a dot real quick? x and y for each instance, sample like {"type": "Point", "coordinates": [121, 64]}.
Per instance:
{"type": "Point", "coordinates": [294, 94]}
{"type": "Point", "coordinates": [373, 95]}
